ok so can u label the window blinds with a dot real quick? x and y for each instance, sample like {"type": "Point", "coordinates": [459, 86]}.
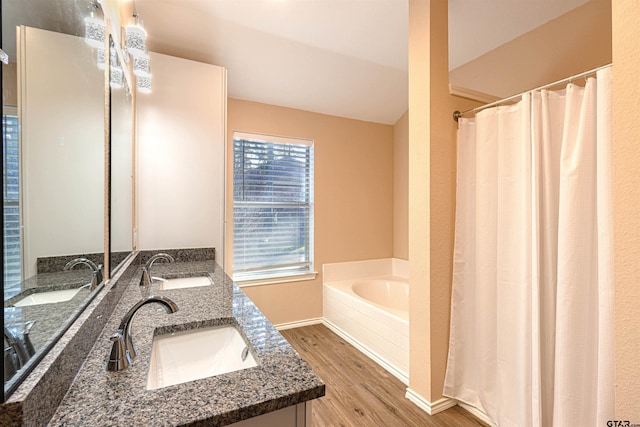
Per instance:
{"type": "Point", "coordinates": [272, 206]}
{"type": "Point", "coordinates": [11, 187]}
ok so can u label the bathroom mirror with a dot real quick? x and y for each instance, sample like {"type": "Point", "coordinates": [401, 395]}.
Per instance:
{"type": "Point", "coordinates": [53, 147]}
{"type": "Point", "coordinates": [121, 227]}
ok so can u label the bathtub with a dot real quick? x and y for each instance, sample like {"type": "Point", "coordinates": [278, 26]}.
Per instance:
{"type": "Point", "coordinates": [367, 304]}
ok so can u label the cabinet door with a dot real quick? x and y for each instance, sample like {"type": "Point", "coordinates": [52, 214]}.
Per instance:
{"type": "Point", "coordinates": [293, 416]}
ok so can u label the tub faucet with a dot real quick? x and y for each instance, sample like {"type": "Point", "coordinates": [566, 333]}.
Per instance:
{"type": "Point", "coordinates": [123, 352]}
{"type": "Point", "coordinates": [96, 270]}
{"type": "Point", "coordinates": [146, 270]}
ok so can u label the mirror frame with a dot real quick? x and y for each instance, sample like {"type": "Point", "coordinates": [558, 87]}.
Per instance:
{"type": "Point", "coordinates": [129, 95]}
{"type": "Point", "coordinates": [2, 393]}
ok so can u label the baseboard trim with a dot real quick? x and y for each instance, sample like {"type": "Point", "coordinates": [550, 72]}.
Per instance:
{"type": "Point", "coordinates": [439, 405]}
{"type": "Point", "coordinates": [393, 370]}
{"type": "Point", "coordinates": [477, 413]}
{"type": "Point", "coordinates": [298, 324]}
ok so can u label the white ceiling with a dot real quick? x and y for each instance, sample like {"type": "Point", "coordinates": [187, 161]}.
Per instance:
{"type": "Point", "coordinates": [341, 57]}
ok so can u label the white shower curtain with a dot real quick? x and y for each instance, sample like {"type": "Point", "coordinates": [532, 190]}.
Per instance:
{"type": "Point", "coordinates": [532, 306]}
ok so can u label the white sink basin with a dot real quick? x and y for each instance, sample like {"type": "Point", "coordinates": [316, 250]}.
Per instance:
{"type": "Point", "coordinates": [184, 282]}
{"type": "Point", "coordinates": [48, 297]}
{"type": "Point", "coordinates": [200, 353]}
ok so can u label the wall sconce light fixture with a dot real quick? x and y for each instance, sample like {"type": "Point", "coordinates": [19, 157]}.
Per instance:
{"type": "Point", "coordinates": [116, 76]}
{"type": "Point", "coordinates": [141, 66]}
{"type": "Point", "coordinates": [94, 28]}
{"type": "Point", "coordinates": [100, 58]}
{"type": "Point", "coordinates": [144, 84]}
{"type": "Point", "coordinates": [135, 36]}
{"type": "Point", "coordinates": [135, 45]}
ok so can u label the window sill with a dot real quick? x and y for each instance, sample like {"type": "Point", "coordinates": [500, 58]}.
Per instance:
{"type": "Point", "coordinates": [275, 280]}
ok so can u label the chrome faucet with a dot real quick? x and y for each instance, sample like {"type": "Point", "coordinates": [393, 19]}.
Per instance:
{"type": "Point", "coordinates": [123, 352]}
{"type": "Point", "coordinates": [18, 349]}
{"type": "Point", "coordinates": [96, 270]}
{"type": "Point", "coordinates": [146, 270]}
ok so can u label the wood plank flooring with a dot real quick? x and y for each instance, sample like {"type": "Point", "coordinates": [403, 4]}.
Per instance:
{"type": "Point", "coordinates": [358, 391]}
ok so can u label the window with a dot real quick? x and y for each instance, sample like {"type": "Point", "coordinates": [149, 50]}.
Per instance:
{"type": "Point", "coordinates": [272, 207]}
{"type": "Point", "coordinates": [11, 187]}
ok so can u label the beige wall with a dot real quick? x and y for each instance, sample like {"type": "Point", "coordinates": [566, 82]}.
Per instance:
{"type": "Point", "coordinates": [401, 187]}
{"type": "Point", "coordinates": [442, 178]}
{"type": "Point", "coordinates": [626, 157]}
{"type": "Point", "coordinates": [431, 194]}
{"type": "Point", "coordinates": [353, 196]}
{"type": "Point", "coordinates": [419, 248]}
{"type": "Point", "coordinates": [577, 41]}
{"type": "Point", "coordinates": [119, 12]}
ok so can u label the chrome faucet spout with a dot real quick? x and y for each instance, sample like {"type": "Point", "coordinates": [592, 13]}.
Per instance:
{"type": "Point", "coordinates": [146, 270]}
{"type": "Point", "coordinates": [17, 347]}
{"type": "Point", "coordinates": [123, 352]}
{"type": "Point", "coordinates": [96, 270]}
{"type": "Point", "coordinates": [86, 261]}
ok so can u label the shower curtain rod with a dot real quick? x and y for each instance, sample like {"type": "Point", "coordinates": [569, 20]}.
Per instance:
{"type": "Point", "coordinates": [457, 114]}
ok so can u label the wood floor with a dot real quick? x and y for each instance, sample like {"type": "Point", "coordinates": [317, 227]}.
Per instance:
{"type": "Point", "coordinates": [358, 391]}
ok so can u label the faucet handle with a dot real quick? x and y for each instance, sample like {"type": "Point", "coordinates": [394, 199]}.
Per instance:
{"type": "Point", "coordinates": [146, 277]}
{"type": "Point", "coordinates": [99, 274]}
{"type": "Point", "coordinates": [119, 358]}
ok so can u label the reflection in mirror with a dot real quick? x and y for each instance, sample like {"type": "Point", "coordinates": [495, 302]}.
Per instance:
{"type": "Point", "coordinates": [53, 131]}
{"type": "Point", "coordinates": [121, 226]}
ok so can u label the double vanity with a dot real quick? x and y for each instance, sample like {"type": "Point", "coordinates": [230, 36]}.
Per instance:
{"type": "Point", "coordinates": [204, 355]}
{"type": "Point", "coordinates": [69, 335]}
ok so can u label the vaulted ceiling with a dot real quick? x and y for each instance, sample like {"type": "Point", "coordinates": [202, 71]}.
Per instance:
{"type": "Point", "coordinates": [341, 57]}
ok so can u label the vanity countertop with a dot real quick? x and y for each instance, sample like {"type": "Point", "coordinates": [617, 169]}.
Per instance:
{"type": "Point", "coordinates": [48, 319]}
{"type": "Point", "coordinates": [100, 398]}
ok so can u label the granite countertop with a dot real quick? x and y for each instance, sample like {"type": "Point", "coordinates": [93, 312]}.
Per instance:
{"type": "Point", "coordinates": [49, 319]}
{"type": "Point", "coordinates": [281, 379]}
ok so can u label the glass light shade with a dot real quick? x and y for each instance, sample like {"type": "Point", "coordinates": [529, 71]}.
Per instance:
{"type": "Point", "coordinates": [144, 84]}
{"type": "Point", "coordinates": [116, 77]}
{"type": "Point", "coordinates": [135, 37]}
{"type": "Point", "coordinates": [141, 66]}
{"type": "Point", "coordinates": [94, 31]}
{"type": "Point", "coordinates": [113, 60]}
{"type": "Point", "coordinates": [100, 58]}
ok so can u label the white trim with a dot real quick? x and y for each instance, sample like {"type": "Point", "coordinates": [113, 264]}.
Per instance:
{"type": "Point", "coordinates": [477, 413]}
{"type": "Point", "coordinates": [275, 280]}
{"type": "Point", "coordinates": [250, 136]}
{"type": "Point", "coordinates": [392, 369]}
{"type": "Point", "coordinates": [439, 405]}
{"type": "Point", "coordinates": [298, 324]}
{"type": "Point", "coordinates": [471, 94]}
